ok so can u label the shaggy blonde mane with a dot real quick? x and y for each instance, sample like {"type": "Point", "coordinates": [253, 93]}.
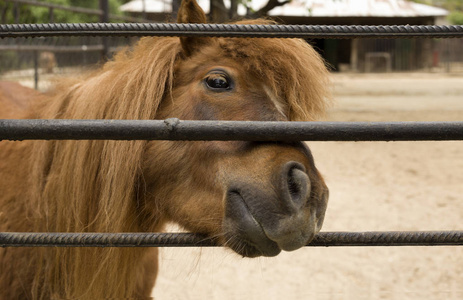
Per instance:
{"type": "Point", "coordinates": [93, 186]}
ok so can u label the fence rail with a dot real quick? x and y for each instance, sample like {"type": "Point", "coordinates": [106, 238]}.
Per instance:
{"type": "Point", "coordinates": [323, 239]}
{"type": "Point", "coordinates": [175, 129]}
{"type": "Point", "coordinates": [230, 30]}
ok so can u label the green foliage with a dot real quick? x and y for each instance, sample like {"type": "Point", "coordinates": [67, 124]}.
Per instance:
{"type": "Point", "coordinates": [456, 18]}
{"type": "Point", "coordinates": [36, 14]}
{"type": "Point", "coordinates": [451, 5]}
{"type": "Point", "coordinates": [8, 59]}
{"type": "Point", "coordinates": [455, 7]}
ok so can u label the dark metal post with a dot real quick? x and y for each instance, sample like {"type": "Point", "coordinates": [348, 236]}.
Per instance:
{"type": "Point", "coordinates": [233, 12]}
{"type": "Point", "coordinates": [36, 69]}
{"type": "Point", "coordinates": [143, 9]}
{"type": "Point", "coordinates": [51, 15]}
{"type": "Point", "coordinates": [16, 12]}
{"type": "Point", "coordinates": [175, 7]}
{"type": "Point", "coordinates": [104, 6]}
{"type": "Point", "coordinates": [4, 10]}
{"type": "Point", "coordinates": [175, 129]}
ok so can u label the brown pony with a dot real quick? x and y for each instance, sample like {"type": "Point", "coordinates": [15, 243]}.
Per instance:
{"type": "Point", "coordinates": [256, 198]}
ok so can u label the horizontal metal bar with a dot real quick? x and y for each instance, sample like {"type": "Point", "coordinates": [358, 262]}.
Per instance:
{"type": "Point", "coordinates": [230, 30]}
{"type": "Point", "coordinates": [323, 239]}
{"type": "Point", "coordinates": [174, 129]}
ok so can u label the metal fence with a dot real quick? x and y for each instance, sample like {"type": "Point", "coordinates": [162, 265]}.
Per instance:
{"type": "Point", "coordinates": [41, 58]}
{"type": "Point", "coordinates": [323, 239]}
{"type": "Point", "coordinates": [174, 129]}
{"type": "Point", "coordinates": [25, 58]}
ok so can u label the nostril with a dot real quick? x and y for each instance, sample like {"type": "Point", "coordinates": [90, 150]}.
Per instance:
{"type": "Point", "coordinates": [297, 184]}
{"type": "Point", "coordinates": [294, 186]}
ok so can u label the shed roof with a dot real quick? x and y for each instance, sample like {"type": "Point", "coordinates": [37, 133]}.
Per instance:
{"type": "Point", "coordinates": [156, 6]}
{"type": "Point", "coordinates": [357, 8]}
{"type": "Point", "coordinates": [312, 8]}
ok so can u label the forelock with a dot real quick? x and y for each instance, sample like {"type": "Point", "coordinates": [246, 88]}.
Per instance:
{"type": "Point", "coordinates": [290, 68]}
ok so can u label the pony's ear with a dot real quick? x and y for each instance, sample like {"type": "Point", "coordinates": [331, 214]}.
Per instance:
{"type": "Point", "coordinates": [191, 12]}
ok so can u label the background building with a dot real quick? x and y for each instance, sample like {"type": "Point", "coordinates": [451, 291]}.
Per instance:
{"type": "Point", "coordinates": [23, 56]}
{"type": "Point", "coordinates": [355, 55]}
{"type": "Point", "coordinates": [369, 55]}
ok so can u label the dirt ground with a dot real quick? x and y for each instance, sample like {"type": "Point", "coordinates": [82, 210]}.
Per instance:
{"type": "Point", "coordinates": [373, 186]}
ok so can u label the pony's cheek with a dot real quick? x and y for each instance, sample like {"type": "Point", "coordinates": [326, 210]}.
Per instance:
{"type": "Point", "coordinates": [223, 147]}
{"type": "Point", "coordinates": [205, 111]}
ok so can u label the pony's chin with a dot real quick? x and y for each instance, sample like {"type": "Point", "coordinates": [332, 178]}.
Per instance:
{"type": "Point", "coordinates": [248, 249]}
{"type": "Point", "coordinates": [243, 234]}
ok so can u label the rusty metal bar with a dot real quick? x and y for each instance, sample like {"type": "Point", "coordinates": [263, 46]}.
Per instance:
{"type": "Point", "coordinates": [323, 239]}
{"type": "Point", "coordinates": [231, 30]}
{"type": "Point", "coordinates": [174, 129]}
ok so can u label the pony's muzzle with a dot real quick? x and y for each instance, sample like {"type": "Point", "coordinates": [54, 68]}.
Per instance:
{"type": "Point", "coordinates": [284, 215]}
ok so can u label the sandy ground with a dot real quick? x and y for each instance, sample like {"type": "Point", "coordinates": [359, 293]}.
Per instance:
{"type": "Point", "coordinates": [373, 186]}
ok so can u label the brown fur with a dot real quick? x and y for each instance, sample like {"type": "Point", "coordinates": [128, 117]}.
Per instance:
{"type": "Point", "coordinates": [136, 186]}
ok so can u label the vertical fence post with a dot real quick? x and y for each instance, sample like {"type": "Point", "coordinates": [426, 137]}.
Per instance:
{"type": "Point", "coordinates": [16, 12]}
{"type": "Point", "coordinates": [143, 9]}
{"type": "Point", "coordinates": [104, 6]}
{"type": "Point", "coordinates": [36, 69]}
{"type": "Point", "coordinates": [51, 15]}
{"type": "Point", "coordinates": [175, 7]}
{"type": "Point", "coordinates": [4, 10]}
{"type": "Point", "coordinates": [447, 56]}
{"type": "Point", "coordinates": [354, 55]}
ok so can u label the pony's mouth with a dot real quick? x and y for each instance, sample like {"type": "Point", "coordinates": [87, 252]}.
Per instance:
{"type": "Point", "coordinates": [243, 233]}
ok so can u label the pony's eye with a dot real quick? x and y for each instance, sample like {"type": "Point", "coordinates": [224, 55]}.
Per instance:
{"type": "Point", "coordinates": [218, 82]}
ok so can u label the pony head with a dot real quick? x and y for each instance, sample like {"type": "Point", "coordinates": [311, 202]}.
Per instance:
{"type": "Point", "coordinates": [257, 198]}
